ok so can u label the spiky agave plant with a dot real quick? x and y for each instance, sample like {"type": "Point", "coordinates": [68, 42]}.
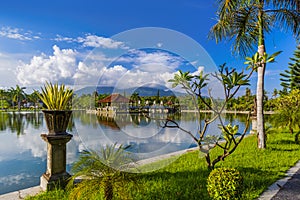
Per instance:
{"type": "Point", "coordinates": [56, 97]}
{"type": "Point", "coordinates": [102, 173]}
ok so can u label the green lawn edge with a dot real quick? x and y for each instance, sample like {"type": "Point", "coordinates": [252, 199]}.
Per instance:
{"type": "Point", "coordinates": [185, 178]}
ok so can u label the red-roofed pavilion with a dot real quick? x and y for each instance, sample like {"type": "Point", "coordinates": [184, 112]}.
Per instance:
{"type": "Point", "coordinates": [114, 98]}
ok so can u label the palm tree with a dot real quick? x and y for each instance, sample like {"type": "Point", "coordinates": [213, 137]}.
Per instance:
{"type": "Point", "coordinates": [247, 22]}
{"type": "Point", "coordinates": [17, 94]}
{"type": "Point", "coordinates": [135, 97]}
{"type": "Point", "coordinates": [104, 173]}
{"type": "Point", "coordinates": [34, 98]}
{"type": "Point", "coordinates": [275, 93]}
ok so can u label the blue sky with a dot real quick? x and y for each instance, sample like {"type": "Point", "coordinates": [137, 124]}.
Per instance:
{"type": "Point", "coordinates": [56, 41]}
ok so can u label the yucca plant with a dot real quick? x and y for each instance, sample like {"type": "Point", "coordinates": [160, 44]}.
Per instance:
{"type": "Point", "coordinates": [56, 97]}
{"type": "Point", "coordinates": [57, 100]}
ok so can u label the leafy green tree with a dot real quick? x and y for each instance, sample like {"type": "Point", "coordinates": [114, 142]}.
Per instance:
{"type": "Point", "coordinates": [3, 100]}
{"type": "Point", "coordinates": [291, 77]}
{"type": "Point", "coordinates": [288, 112]}
{"type": "Point", "coordinates": [246, 22]}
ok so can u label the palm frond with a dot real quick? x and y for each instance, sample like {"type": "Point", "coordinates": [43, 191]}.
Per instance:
{"type": "Point", "coordinates": [101, 173]}
{"type": "Point", "coordinates": [288, 20]}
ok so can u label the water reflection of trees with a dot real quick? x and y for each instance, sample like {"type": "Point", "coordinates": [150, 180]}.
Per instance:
{"type": "Point", "coordinates": [85, 118]}
{"type": "Point", "coordinates": [121, 120]}
{"type": "Point", "coordinates": [3, 121]}
{"type": "Point", "coordinates": [35, 119]}
{"type": "Point", "coordinates": [17, 122]}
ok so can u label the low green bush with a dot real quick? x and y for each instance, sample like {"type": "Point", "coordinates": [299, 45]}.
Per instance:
{"type": "Point", "coordinates": [224, 183]}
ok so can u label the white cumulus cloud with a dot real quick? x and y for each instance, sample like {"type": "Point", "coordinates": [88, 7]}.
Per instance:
{"type": "Point", "coordinates": [138, 68]}
{"type": "Point", "coordinates": [147, 68]}
{"type": "Point", "coordinates": [59, 67]}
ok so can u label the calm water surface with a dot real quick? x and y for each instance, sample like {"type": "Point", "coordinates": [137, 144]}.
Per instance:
{"type": "Point", "coordinates": [23, 152]}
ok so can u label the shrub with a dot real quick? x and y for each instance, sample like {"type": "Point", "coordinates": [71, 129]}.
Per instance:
{"type": "Point", "coordinates": [224, 183]}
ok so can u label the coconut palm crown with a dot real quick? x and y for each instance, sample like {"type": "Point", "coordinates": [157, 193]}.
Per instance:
{"type": "Point", "coordinates": [56, 97]}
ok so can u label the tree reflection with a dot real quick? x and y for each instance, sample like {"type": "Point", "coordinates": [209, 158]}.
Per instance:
{"type": "Point", "coordinates": [85, 118]}
{"type": "Point", "coordinates": [3, 121]}
{"type": "Point", "coordinates": [18, 122]}
{"type": "Point", "coordinates": [35, 119]}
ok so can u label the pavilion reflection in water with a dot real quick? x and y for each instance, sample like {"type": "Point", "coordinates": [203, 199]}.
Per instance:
{"type": "Point", "coordinates": [119, 121]}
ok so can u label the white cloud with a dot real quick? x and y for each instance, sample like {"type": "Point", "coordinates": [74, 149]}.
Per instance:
{"type": "Point", "coordinates": [87, 74]}
{"type": "Point", "coordinates": [8, 64]}
{"type": "Point", "coordinates": [16, 33]}
{"type": "Point", "coordinates": [59, 67]}
{"type": "Point", "coordinates": [137, 78]}
{"type": "Point", "coordinates": [97, 41]}
{"type": "Point", "coordinates": [63, 66]}
{"type": "Point", "coordinates": [92, 41]}
{"type": "Point", "coordinates": [154, 61]}
{"type": "Point", "coordinates": [60, 38]}
{"type": "Point", "coordinates": [196, 73]}
{"type": "Point", "coordinates": [147, 68]}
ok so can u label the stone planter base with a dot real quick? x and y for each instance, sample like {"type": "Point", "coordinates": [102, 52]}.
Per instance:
{"type": "Point", "coordinates": [55, 181]}
{"type": "Point", "coordinates": [56, 175]}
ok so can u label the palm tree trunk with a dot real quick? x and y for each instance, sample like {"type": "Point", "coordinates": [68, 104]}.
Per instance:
{"type": "Point", "coordinates": [108, 189]}
{"type": "Point", "coordinates": [260, 82]}
{"type": "Point", "coordinates": [260, 97]}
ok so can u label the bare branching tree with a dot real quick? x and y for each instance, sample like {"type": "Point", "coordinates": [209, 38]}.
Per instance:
{"type": "Point", "coordinates": [194, 85]}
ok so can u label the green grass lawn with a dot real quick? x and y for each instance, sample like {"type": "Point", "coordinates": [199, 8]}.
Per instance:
{"type": "Point", "coordinates": [186, 177]}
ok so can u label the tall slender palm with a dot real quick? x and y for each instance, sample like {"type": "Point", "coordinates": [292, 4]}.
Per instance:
{"type": "Point", "coordinates": [17, 95]}
{"type": "Point", "coordinates": [247, 22]}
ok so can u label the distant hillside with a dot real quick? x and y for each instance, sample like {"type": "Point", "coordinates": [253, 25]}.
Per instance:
{"type": "Point", "coordinates": [143, 91]}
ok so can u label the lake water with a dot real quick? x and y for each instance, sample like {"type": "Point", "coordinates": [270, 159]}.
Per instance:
{"type": "Point", "coordinates": [23, 152]}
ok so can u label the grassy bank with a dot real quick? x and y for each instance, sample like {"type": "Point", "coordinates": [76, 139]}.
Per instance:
{"type": "Point", "coordinates": [186, 177]}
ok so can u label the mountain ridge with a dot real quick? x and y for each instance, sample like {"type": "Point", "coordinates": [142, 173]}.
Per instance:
{"type": "Point", "coordinates": [142, 91]}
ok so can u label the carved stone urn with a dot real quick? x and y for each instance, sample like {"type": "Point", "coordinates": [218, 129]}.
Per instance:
{"type": "Point", "coordinates": [56, 175]}
{"type": "Point", "coordinates": [57, 121]}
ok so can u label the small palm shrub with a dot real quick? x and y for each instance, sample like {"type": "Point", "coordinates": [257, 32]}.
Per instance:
{"type": "Point", "coordinates": [56, 97]}
{"type": "Point", "coordinates": [224, 183]}
{"type": "Point", "coordinates": [103, 174]}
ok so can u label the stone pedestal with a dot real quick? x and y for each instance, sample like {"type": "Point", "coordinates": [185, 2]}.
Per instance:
{"type": "Point", "coordinates": [55, 175]}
